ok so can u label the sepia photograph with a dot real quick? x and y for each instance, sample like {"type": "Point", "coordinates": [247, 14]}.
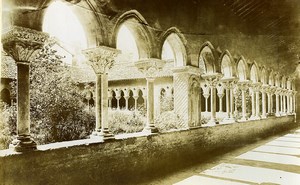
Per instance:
{"type": "Point", "coordinates": [150, 92]}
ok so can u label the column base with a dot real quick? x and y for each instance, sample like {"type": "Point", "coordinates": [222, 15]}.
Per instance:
{"type": "Point", "coordinates": [212, 122]}
{"type": "Point", "coordinates": [150, 130]}
{"type": "Point", "coordinates": [23, 144]}
{"type": "Point", "coordinates": [277, 115]}
{"type": "Point", "coordinates": [243, 119]}
{"type": "Point", "coordinates": [102, 135]}
{"type": "Point", "coordinates": [253, 117]}
{"type": "Point", "coordinates": [263, 116]}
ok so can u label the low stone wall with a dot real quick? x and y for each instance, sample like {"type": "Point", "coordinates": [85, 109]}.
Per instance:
{"type": "Point", "coordinates": [128, 160]}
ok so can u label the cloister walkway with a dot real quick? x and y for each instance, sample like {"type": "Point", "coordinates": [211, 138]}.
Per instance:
{"type": "Point", "coordinates": [271, 161]}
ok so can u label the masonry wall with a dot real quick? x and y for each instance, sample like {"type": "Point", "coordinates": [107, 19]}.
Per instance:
{"type": "Point", "coordinates": [124, 161]}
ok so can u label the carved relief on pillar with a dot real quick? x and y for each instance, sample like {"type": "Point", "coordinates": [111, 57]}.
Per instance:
{"type": "Point", "coordinates": [101, 58]}
{"type": "Point", "coordinates": [243, 85]}
{"type": "Point", "coordinates": [265, 88]}
{"type": "Point", "coordinates": [212, 79]}
{"type": "Point", "coordinates": [23, 44]}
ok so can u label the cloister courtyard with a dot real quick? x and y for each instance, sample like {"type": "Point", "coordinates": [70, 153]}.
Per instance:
{"type": "Point", "coordinates": [94, 90]}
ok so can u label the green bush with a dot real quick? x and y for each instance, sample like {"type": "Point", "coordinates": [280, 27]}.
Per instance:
{"type": "Point", "coordinates": [124, 121]}
{"type": "Point", "coordinates": [167, 121]}
{"type": "Point", "coordinates": [7, 125]}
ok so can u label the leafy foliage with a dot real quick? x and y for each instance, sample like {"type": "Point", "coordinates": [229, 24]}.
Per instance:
{"type": "Point", "coordinates": [56, 109]}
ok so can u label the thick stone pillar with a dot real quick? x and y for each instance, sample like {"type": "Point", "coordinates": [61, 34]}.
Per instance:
{"type": "Point", "coordinates": [101, 59]}
{"type": "Point", "coordinates": [243, 85]}
{"type": "Point", "coordinates": [23, 44]}
{"type": "Point", "coordinates": [150, 68]}
{"type": "Point", "coordinates": [181, 82]}
{"type": "Point", "coordinates": [212, 80]}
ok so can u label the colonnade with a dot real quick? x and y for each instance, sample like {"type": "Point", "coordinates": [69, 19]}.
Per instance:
{"type": "Point", "coordinates": [23, 45]}
{"type": "Point", "coordinates": [262, 96]}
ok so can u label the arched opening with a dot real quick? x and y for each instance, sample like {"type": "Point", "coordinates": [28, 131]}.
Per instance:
{"type": "Point", "coordinates": [114, 103]}
{"type": "Point", "coordinates": [140, 100]}
{"type": "Point", "coordinates": [122, 101]}
{"type": "Point", "coordinates": [70, 39]}
{"type": "Point", "coordinates": [254, 74]}
{"type": "Point", "coordinates": [206, 60]}
{"type": "Point", "coordinates": [127, 44]}
{"type": "Point", "coordinates": [131, 101]}
{"type": "Point", "coordinates": [174, 50]}
{"type": "Point", "coordinates": [241, 71]}
{"type": "Point", "coordinates": [5, 96]}
{"type": "Point", "coordinates": [226, 66]}
{"type": "Point", "coordinates": [132, 37]}
{"type": "Point", "coordinates": [264, 76]}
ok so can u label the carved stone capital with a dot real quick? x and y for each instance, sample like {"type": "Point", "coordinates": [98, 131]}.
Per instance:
{"type": "Point", "coordinates": [278, 91]}
{"type": "Point", "coordinates": [101, 58]}
{"type": "Point", "coordinates": [256, 86]}
{"type": "Point", "coordinates": [243, 85]}
{"type": "Point", "coordinates": [265, 88]}
{"type": "Point", "coordinates": [150, 67]}
{"type": "Point", "coordinates": [212, 79]}
{"type": "Point", "coordinates": [23, 44]}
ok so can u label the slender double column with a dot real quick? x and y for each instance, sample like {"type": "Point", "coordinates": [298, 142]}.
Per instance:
{"type": "Point", "coordinates": [255, 90]}
{"type": "Point", "coordinates": [101, 59]}
{"type": "Point", "coordinates": [150, 68]}
{"type": "Point", "coordinates": [23, 44]}
{"type": "Point", "coordinates": [212, 81]}
{"type": "Point", "coordinates": [229, 84]}
{"type": "Point", "coordinates": [277, 94]}
{"type": "Point", "coordinates": [244, 86]}
{"type": "Point", "coordinates": [264, 90]}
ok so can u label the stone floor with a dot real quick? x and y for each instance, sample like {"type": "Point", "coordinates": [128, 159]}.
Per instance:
{"type": "Point", "coordinates": [272, 161]}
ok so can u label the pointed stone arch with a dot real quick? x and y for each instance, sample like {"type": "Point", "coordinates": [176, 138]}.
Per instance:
{"type": "Point", "coordinates": [227, 65]}
{"type": "Point", "coordinates": [178, 43]}
{"type": "Point", "coordinates": [137, 25]}
{"type": "Point", "coordinates": [271, 80]}
{"type": "Point", "coordinates": [242, 69]}
{"type": "Point", "coordinates": [254, 73]}
{"type": "Point", "coordinates": [207, 58]}
{"type": "Point", "coordinates": [263, 76]}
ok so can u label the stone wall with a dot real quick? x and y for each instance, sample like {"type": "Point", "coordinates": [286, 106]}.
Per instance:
{"type": "Point", "coordinates": [131, 159]}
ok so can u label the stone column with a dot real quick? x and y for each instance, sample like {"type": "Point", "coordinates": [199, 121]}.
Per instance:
{"type": "Point", "coordinates": [126, 97]}
{"type": "Point", "coordinates": [253, 113]}
{"type": "Point", "coordinates": [264, 89]}
{"type": "Point", "coordinates": [283, 102]}
{"type": "Point", "coordinates": [229, 84]}
{"type": "Point", "coordinates": [118, 97]}
{"type": "Point", "coordinates": [150, 68]}
{"type": "Point", "coordinates": [243, 85]}
{"type": "Point", "coordinates": [101, 59]}
{"type": "Point", "coordinates": [220, 89]}
{"type": "Point", "coordinates": [294, 102]}
{"type": "Point", "coordinates": [277, 93]}
{"type": "Point", "coordinates": [212, 80]}
{"type": "Point", "coordinates": [23, 45]}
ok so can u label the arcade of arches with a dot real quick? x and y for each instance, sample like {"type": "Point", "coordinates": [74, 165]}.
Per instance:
{"type": "Point", "coordinates": [133, 65]}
